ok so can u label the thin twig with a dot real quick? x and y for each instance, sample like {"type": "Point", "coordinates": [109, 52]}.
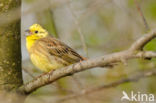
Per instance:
{"type": "Point", "coordinates": [142, 15]}
{"type": "Point", "coordinates": [79, 29]}
{"type": "Point", "coordinates": [28, 72]}
{"type": "Point", "coordinates": [79, 84]}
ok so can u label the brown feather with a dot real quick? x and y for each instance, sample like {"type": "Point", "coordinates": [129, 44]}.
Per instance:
{"type": "Point", "coordinates": [59, 49]}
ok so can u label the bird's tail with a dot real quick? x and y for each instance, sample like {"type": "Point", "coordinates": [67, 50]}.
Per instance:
{"type": "Point", "coordinates": [83, 58]}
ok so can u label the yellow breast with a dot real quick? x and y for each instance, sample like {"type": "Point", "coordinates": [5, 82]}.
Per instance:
{"type": "Point", "coordinates": [30, 41]}
{"type": "Point", "coordinates": [45, 64]}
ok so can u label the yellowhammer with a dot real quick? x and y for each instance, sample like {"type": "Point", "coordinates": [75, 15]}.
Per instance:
{"type": "Point", "coordinates": [46, 52]}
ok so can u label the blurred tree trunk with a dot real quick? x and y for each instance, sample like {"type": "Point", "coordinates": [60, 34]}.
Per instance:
{"type": "Point", "coordinates": [10, 48]}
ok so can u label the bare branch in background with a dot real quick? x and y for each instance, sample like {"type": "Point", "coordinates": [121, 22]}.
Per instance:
{"type": "Point", "coordinates": [28, 72]}
{"type": "Point", "coordinates": [133, 78]}
{"type": "Point", "coordinates": [131, 53]}
{"type": "Point", "coordinates": [142, 15]}
{"type": "Point", "coordinates": [79, 84]}
{"type": "Point", "coordinates": [93, 7]}
{"type": "Point", "coordinates": [84, 45]}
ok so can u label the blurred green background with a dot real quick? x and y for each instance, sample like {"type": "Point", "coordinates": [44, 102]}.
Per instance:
{"type": "Point", "coordinates": [93, 28]}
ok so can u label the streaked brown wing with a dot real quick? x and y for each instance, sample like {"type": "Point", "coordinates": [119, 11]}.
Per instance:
{"type": "Point", "coordinates": [59, 49]}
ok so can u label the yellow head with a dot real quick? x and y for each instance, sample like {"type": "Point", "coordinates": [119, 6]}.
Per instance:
{"type": "Point", "coordinates": [35, 32]}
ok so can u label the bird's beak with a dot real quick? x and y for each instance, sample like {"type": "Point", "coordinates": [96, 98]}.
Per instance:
{"type": "Point", "coordinates": [28, 32]}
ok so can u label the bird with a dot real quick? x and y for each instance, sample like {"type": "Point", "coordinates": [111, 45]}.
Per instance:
{"type": "Point", "coordinates": [48, 53]}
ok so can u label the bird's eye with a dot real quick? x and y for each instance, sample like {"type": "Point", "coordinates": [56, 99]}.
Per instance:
{"type": "Point", "coordinates": [36, 31]}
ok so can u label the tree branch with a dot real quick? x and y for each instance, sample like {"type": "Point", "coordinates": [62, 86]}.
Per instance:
{"type": "Point", "coordinates": [140, 43]}
{"type": "Point", "coordinates": [132, 78]}
{"type": "Point", "coordinates": [91, 63]}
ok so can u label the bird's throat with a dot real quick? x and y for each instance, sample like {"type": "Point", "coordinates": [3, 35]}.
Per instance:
{"type": "Point", "coordinates": [30, 41]}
